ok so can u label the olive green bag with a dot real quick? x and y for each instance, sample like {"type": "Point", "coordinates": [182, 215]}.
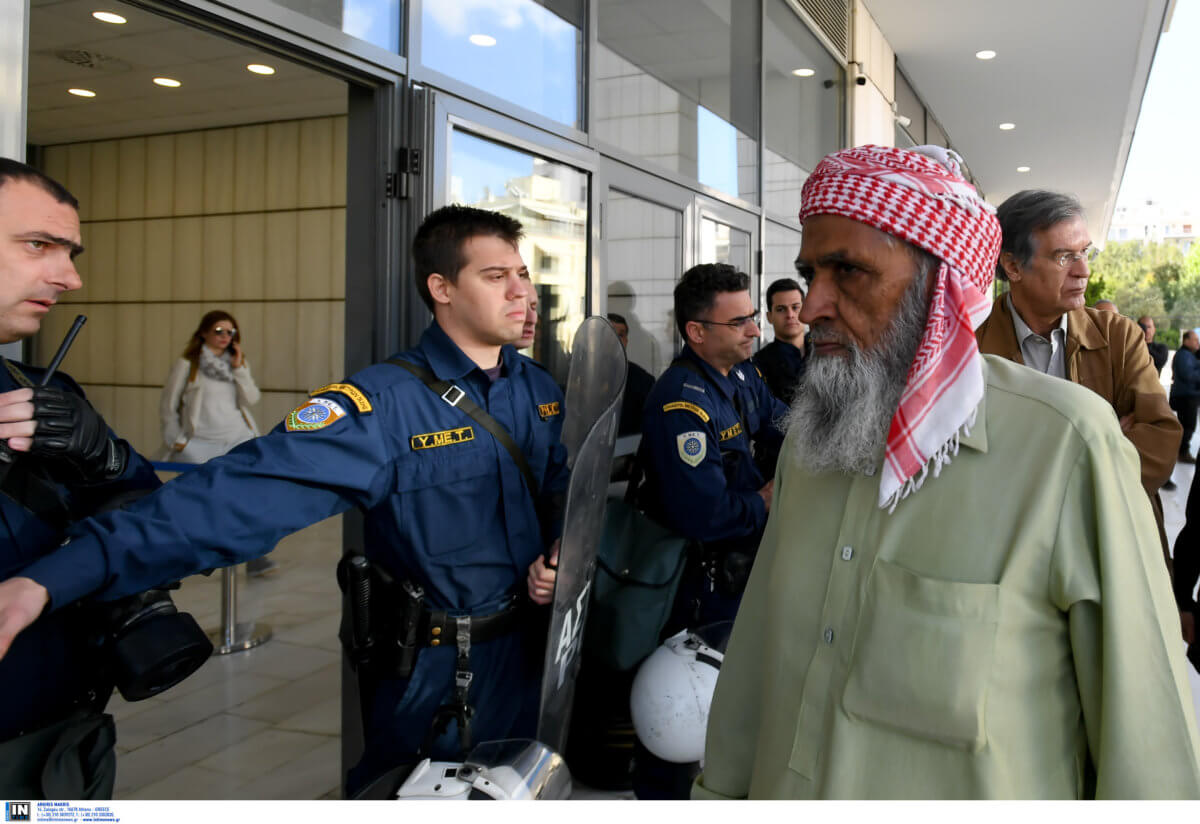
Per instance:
{"type": "Point", "coordinates": [639, 564]}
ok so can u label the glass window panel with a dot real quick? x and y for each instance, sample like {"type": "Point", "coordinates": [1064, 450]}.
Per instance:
{"type": "Point", "coordinates": [782, 244]}
{"type": "Point", "coordinates": [645, 243]}
{"type": "Point", "coordinates": [803, 122]}
{"type": "Point", "coordinates": [551, 201]}
{"type": "Point", "coordinates": [934, 133]}
{"type": "Point", "coordinates": [910, 106]}
{"type": "Point", "coordinates": [677, 84]}
{"type": "Point", "coordinates": [376, 21]}
{"type": "Point", "coordinates": [721, 243]}
{"type": "Point", "coordinates": [525, 51]}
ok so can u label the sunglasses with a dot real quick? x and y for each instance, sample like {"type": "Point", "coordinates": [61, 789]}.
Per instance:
{"type": "Point", "coordinates": [224, 330]}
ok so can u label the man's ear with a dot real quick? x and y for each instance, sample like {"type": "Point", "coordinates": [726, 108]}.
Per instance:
{"type": "Point", "coordinates": [695, 331]}
{"type": "Point", "coordinates": [439, 288]}
{"type": "Point", "coordinates": [1008, 262]}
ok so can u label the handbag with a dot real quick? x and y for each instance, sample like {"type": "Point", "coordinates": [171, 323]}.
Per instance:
{"type": "Point", "coordinates": [639, 564]}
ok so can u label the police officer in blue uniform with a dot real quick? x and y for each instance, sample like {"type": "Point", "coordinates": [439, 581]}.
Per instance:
{"type": "Point", "coordinates": [710, 442]}
{"type": "Point", "coordinates": [783, 360]}
{"type": "Point", "coordinates": [708, 451]}
{"type": "Point", "coordinates": [460, 530]}
{"type": "Point", "coordinates": [64, 464]}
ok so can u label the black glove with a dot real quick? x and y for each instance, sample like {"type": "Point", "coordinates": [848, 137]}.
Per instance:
{"type": "Point", "coordinates": [68, 428]}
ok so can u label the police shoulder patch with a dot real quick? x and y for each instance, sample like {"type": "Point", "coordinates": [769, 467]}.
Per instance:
{"type": "Point", "coordinates": [689, 407]}
{"type": "Point", "coordinates": [314, 414]}
{"type": "Point", "coordinates": [356, 395]}
{"type": "Point", "coordinates": [692, 447]}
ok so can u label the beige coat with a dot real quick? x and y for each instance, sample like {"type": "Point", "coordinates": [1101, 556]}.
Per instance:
{"type": "Point", "coordinates": [179, 407]}
{"type": "Point", "coordinates": [1107, 353]}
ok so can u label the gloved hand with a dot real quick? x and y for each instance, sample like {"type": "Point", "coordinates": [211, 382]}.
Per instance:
{"type": "Point", "coordinates": [68, 428]}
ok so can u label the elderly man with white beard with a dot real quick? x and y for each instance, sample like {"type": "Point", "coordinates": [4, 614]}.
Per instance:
{"type": "Point", "coordinates": [958, 593]}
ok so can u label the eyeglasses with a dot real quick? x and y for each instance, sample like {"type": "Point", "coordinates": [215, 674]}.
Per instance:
{"type": "Point", "coordinates": [224, 330]}
{"type": "Point", "coordinates": [1065, 259]}
{"type": "Point", "coordinates": [736, 323]}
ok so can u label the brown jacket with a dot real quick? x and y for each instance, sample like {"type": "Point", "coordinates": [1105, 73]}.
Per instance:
{"type": "Point", "coordinates": [1107, 353]}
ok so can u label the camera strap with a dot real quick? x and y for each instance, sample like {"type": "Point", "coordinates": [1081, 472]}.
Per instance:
{"type": "Point", "coordinates": [456, 397]}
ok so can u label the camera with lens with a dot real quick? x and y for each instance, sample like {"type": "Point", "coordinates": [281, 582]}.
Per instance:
{"type": "Point", "coordinates": [146, 644]}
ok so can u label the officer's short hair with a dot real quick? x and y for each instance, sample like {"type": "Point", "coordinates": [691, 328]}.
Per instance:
{"type": "Point", "coordinates": [14, 170]}
{"type": "Point", "coordinates": [438, 245]}
{"type": "Point", "coordinates": [697, 291]}
{"type": "Point", "coordinates": [781, 285]}
{"type": "Point", "coordinates": [1027, 212]}
{"type": "Point", "coordinates": [613, 317]}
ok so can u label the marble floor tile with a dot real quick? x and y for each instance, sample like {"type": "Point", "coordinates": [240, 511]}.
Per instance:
{"type": "Point", "coordinates": [294, 697]}
{"type": "Point", "coordinates": [190, 783]}
{"type": "Point", "coordinates": [263, 752]}
{"type": "Point", "coordinates": [323, 719]}
{"type": "Point", "coordinates": [159, 759]}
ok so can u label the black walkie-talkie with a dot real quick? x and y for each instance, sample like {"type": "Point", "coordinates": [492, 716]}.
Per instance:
{"type": "Point", "coordinates": [7, 455]}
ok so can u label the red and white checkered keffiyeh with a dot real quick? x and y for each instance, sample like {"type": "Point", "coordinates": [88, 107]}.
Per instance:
{"type": "Point", "coordinates": [920, 195]}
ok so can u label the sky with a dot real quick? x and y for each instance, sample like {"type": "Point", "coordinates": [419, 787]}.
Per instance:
{"type": "Point", "coordinates": [1163, 163]}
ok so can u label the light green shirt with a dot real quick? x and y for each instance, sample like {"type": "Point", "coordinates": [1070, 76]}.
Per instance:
{"type": "Point", "coordinates": [1007, 632]}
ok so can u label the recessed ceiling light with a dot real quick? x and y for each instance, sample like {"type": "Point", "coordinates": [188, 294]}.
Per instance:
{"type": "Point", "coordinates": [986, 54]}
{"type": "Point", "coordinates": [259, 68]}
{"type": "Point", "coordinates": [1022, 168]}
{"type": "Point", "coordinates": [1008, 126]}
{"type": "Point", "coordinates": [482, 39]}
{"type": "Point", "coordinates": [804, 72]}
{"type": "Point", "coordinates": [169, 82]}
{"type": "Point", "coordinates": [109, 17]}
{"type": "Point", "coordinates": [81, 92]}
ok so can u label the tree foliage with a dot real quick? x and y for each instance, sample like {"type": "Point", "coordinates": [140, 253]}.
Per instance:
{"type": "Point", "coordinates": [1154, 279]}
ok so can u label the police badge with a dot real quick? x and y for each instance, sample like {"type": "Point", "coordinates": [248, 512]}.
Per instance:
{"type": "Point", "coordinates": [692, 447]}
{"type": "Point", "coordinates": [317, 413]}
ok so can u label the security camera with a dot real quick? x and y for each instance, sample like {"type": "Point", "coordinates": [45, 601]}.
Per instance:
{"type": "Point", "coordinates": [861, 80]}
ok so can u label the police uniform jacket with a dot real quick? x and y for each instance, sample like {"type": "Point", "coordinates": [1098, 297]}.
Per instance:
{"type": "Point", "coordinates": [782, 365]}
{"type": "Point", "coordinates": [701, 479]}
{"type": "Point", "coordinates": [445, 504]}
{"type": "Point", "coordinates": [48, 666]}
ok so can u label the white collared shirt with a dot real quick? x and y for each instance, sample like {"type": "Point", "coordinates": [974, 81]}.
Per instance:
{"type": "Point", "coordinates": [1045, 355]}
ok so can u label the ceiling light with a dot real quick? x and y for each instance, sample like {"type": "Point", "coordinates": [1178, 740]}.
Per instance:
{"type": "Point", "coordinates": [804, 72]}
{"type": "Point", "coordinates": [109, 17]}
{"type": "Point", "coordinates": [169, 82]}
{"type": "Point", "coordinates": [482, 39]}
{"type": "Point", "coordinates": [81, 92]}
{"type": "Point", "coordinates": [1022, 168]}
{"type": "Point", "coordinates": [259, 68]}
{"type": "Point", "coordinates": [1008, 126]}
{"type": "Point", "coordinates": [986, 54]}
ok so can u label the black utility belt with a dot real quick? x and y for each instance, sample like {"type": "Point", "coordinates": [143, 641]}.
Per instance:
{"type": "Point", "coordinates": [440, 628]}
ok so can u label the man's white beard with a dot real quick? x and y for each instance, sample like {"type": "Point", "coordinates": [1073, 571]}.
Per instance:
{"type": "Point", "coordinates": [844, 405]}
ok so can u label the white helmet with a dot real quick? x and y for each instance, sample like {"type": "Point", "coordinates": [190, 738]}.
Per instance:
{"type": "Point", "coordinates": [673, 691]}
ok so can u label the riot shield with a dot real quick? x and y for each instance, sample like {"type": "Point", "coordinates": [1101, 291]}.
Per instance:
{"type": "Point", "coordinates": [595, 385]}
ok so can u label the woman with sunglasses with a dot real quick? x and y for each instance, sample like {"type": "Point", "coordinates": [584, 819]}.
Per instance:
{"type": "Point", "coordinates": [205, 405]}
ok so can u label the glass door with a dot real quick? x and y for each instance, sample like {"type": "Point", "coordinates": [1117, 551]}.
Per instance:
{"type": "Point", "coordinates": [726, 234]}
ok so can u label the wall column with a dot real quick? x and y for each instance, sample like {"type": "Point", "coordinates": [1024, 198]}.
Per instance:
{"type": "Point", "coordinates": [14, 66]}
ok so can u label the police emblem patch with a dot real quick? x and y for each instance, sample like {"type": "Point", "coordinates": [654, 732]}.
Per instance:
{"type": "Point", "coordinates": [692, 447]}
{"type": "Point", "coordinates": [317, 413]}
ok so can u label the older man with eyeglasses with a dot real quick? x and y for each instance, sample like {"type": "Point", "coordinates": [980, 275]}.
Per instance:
{"type": "Point", "coordinates": [1042, 322]}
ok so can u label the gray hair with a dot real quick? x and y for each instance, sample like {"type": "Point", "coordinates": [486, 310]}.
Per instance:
{"type": "Point", "coordinates": [1027, 212]}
